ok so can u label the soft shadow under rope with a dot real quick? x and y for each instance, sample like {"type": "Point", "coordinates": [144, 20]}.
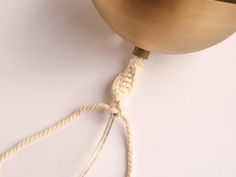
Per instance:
{"type": "Point", "coordinates": [121, 88]}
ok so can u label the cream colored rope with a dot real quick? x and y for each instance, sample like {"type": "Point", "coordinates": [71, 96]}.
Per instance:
{"type": "Point", "coordinates": [121, 88]}
{"type": "Point", "coordinates": [49, 131]}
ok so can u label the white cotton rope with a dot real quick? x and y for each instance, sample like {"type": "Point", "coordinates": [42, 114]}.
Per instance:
{"type": "Point", "coordinates": [121, 88]}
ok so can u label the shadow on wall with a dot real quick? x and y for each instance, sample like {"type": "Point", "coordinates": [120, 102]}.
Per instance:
{"type": "Point", "coordinates": [75, 27]}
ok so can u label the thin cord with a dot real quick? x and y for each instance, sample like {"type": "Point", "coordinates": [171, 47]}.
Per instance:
{"type": "Point", "coordinates": [99, 147]}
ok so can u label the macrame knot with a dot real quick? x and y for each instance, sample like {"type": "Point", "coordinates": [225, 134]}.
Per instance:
{"type": "Point", "coordinates": [123, 84]}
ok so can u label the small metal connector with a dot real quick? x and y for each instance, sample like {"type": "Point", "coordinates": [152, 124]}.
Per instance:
{"type": "Point", "coordinates": [142, 53]}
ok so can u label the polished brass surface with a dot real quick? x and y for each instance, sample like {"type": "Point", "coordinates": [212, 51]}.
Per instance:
{"type": "Point", "coordinates": [170, 26]}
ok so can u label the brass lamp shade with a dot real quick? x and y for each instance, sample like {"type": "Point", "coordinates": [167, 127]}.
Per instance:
{"type": "Point", "coordinates": [170, 26]}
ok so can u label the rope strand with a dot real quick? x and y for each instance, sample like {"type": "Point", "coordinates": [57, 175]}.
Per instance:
{"type": "Point", "coordinates": [121, 88]}
{"type": "Point", "coordinates": [49, 131]}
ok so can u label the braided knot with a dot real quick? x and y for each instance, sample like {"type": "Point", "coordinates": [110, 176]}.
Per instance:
{"type": "Point", "coordinates": [123, 84]}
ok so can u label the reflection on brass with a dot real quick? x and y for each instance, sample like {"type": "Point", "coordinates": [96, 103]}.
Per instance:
{"type": "Point", "coordinates": [170, 26]}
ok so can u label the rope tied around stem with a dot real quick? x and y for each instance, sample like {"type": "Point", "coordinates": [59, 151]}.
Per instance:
{"type": "Point", "coordinates": [122, 86]}
{"type": "Point", "coordinates": [124, 83]}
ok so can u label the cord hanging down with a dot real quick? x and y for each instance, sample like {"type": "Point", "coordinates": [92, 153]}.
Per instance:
{"type": "Point", "coordinates": [121, 88]}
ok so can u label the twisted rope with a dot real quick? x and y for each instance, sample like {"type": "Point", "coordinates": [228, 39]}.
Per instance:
{"type": "Point", "coordinates": [121, 88]}
{"type": "Point", "coordinates": [49, 131]}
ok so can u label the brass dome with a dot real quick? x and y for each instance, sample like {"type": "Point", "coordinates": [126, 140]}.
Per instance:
{"type": "Point", "coordinates": [170, 26]}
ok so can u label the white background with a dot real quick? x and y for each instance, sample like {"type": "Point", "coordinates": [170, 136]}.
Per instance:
{"type": "Point", "coordinates": [57, 55]}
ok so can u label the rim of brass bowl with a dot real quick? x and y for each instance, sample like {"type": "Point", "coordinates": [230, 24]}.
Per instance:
{"type": "Point", "coordinates": [228, 1]}
{"type": "Point", "coordinates": [173, 26]}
